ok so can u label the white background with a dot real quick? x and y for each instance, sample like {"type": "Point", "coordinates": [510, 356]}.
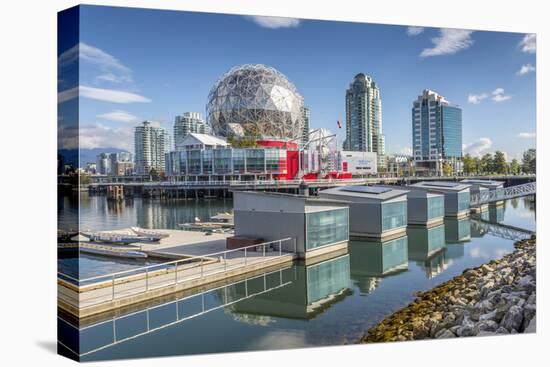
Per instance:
{"type": "Point", "coordinates": [28, 192]}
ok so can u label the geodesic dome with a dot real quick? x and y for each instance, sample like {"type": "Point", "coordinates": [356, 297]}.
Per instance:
{"type": "Point", "coordinates": [255, 100]}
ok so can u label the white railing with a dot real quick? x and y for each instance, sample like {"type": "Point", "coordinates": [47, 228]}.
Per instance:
{"type": "Point", "coordinates": [105, 288]}
{"type": "Point", "coordinates": [510, 192]}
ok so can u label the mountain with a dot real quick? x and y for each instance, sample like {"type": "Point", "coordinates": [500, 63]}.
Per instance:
{"type": "Point", "coordinates": [88, 155]}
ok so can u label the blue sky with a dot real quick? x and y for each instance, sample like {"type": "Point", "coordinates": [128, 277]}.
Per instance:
{"type": "Point", "coordinates": [140, 64]}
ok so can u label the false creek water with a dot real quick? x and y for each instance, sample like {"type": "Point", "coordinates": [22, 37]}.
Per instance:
{"type": "Point", "coordinates": [330, 303]}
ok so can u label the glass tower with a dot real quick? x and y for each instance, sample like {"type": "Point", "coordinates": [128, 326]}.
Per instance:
{"type": "Point", "coordinates": [364, 117]}
{"type": "Point", "coordinates": [436, 134]}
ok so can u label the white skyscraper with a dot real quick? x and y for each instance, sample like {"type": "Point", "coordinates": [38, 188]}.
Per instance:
{"type": "Point", "coordinates": [150, 146]}
{"type": "Point", "coordinates": [189, 122]}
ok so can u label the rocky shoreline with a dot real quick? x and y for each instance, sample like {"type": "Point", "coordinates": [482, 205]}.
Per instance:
{"type": "Point", "coordinates": [493, 299]}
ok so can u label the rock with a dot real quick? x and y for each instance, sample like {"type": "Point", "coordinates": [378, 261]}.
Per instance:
{"type": "Point", "coordinates": [525, 280]}
{"type": "Point", "coordinates": [486, 288]}
{"type": "Point", "coordinates": [489, 316]}
{"type": "Point", "coordinates": [513, 318]}
{"type": "Point", "coordinates": [532, 298]}
{"type": "Point", "coordinates": [464, 331]}
{"type": "Point", "coordinates": [445, 333]}
{"type": "Point", "coordinates": [529, 311]}
{"type": "Point", "coordinates": [486, 325]}
{"type": "Point", "coordinates": [486, 269]}
{"type": "Point", "coordinates": [502, 330]}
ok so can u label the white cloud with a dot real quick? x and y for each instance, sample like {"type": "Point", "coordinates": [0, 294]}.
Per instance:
{"type": "Point", "coordinates": [526, 69]}
{"type": "Point", "coordinates": [101, 94]}
{"type": "Point", "coordinates": [476, 148]}
{"type": "Point", "coordinates": [121, 116]}
{"type": "Point", "coordinates": [450, 41]}
{"type": "Point", "coordinates": [529, 43]}
{"type": "Point", "coordinates": [101, 136]}
{"type": "Point", "coordinates": [527, 135]}
{"type": "Point", "coordinates": [109, 67]}
{"type": "Point", "coordinates": [406, 151]}
{"type": "Point", "coordinates": [275, 22]}
{"type": "Point", "coordinates": [414, 31]}
{"type": "Point", "coordinates": [499, 96]}
{"type": "Point", "coordinates": [477, 98]}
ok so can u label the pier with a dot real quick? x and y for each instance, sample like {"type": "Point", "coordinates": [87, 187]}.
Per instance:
{"type": "Point", "coordinates": [198, 259]}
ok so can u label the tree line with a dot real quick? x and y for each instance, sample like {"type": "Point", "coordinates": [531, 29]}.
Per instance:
{"type": "Point", "coordinates": [496, 163]}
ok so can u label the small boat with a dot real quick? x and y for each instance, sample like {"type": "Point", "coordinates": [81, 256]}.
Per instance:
{"type": "Point", "coordinates": [149, 233]}
{"type": "Point", "coordinates": [226, 218]}
{"type": "Point", "coordinates": [115, 237]}
{"type": "Point", "coordinates": [130, 254]}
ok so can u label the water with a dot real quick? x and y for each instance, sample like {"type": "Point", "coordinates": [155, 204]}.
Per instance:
{"type": "Point", "coordinates": [329, 303]}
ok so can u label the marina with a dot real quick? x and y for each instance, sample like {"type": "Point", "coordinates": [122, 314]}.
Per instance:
{"type": "Point", "coordinates": [379, 281]}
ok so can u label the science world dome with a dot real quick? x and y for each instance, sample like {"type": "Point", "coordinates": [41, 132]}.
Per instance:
{"type": "Point", "coordinates": [255, 100]}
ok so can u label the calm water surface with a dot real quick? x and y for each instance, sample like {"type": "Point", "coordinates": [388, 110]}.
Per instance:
{"type": "Point", "coordinates": [328, 303]}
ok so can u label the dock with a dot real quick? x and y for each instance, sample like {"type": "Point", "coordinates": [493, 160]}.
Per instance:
{"type": "Point", "coordinates": [193, 259]}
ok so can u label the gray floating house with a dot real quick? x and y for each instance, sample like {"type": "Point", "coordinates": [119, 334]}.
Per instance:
{"type": "Point", "coordinates": [374, 211]}
{"type": "Point", "coordinates": [319, 226]}
{"type": "Point", "coordinates": [457, 196]}
{"type": "Point", "coordinates": [425, 208]}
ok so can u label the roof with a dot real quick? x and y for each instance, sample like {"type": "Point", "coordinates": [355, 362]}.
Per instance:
{"type": "Point", "coordinates": [276, 200]}
{"type": "Point", "coordinates": [441, 186]}
{"type": "Point", "coordinates": [483, 183]}
{"type": "Point", "coordinates": [364, 192]}
{"type": "Point", "coordinates": [205, 139]}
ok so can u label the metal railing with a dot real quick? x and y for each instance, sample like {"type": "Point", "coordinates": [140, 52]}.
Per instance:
{"type": "Point", "coordinates": [106, 288]}
{"type": "Point", "coordinates": [179, 310]}
{"type": "Point", "coordinates": [510, 192]}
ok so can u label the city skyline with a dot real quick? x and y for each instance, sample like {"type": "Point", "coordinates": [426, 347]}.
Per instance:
{"type": "Point", "coordinates": [123, 83]}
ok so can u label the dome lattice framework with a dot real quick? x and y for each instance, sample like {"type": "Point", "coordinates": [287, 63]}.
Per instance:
{"type": "Point", "coordinates": [255, 100]}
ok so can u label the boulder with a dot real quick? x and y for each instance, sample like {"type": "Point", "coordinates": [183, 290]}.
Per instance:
{"type": "Point", "coordinates": [445, 333]}
{"type": "Point", "coordinates": [513, 319]}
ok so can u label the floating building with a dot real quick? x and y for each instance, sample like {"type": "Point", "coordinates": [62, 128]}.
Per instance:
{"type": "Point", "coordinates": [318, 225]}
{"type": "Point", "coordinates": [427, 248]}
{"type": "Point", "coordinates": [425, 208]}
{"type": "Point", "coordinates": [375, 211]}
{"type": "Point", "coordinates": [457, 196]}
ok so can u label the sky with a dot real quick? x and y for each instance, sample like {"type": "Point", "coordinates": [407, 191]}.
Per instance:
{"type": "Point", "coordinates": [137, 64]}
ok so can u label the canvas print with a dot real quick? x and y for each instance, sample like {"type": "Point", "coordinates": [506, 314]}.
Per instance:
{"type": "Point", "coordinates": [233, 183]}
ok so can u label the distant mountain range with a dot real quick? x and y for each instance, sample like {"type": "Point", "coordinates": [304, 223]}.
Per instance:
{"type": "Point", "coordinates": [86, 155]}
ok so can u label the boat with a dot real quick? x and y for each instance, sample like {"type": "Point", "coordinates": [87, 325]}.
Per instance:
{"type": "Point", "coordinates": [117, 237]}
{"type": "Point", "coordinates": [225, 217]}
{"type": "Point", "coordinates": [105, 251]}
{"type": "Point", "coordinates": [149, 233]}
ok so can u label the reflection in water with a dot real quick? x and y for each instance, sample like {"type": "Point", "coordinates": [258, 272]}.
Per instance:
{"type": "Point", "coordinates": [496, 213]}
{"type": "Point", "coordinates": [457, 230]}
{"type": "Point", "coordinates": [314, 289]}
{"type": "Point", "coordinates": [371, 260]}
{"type": "Point", "coordinates": [102, 334]}
{"type": "Point", "coordinates": [427, 248]}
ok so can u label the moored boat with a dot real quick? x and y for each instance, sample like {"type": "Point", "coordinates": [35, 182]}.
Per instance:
{"type": "Point", "coordinates": [157, 235]}
{"type": "Point", "coordinates": [115, 237]}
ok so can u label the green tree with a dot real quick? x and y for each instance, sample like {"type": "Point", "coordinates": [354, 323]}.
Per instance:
{"type": "Point", "coordinates": [447, 169]}
{"type": "Point", "coordinates": [469, 164]}
{"type": "Point", "coordinates": [499, 163]}
{"type": "Point", "coordinates": [514, 167]}
{"type": "Point", "coordinates": [529, 161]}
{"type": "Point", "coordinates": [84, 179]}
{"type": "Point", "coordinates": [486, 163]}
{"type": "Point", "coordinates": [154, 174]}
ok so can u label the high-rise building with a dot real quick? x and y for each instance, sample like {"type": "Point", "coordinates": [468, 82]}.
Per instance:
{"type": "Point", "coordinates": [150, 147]}
{"type": "Point", "coordinates": [103, 164]}
{"type": "Point", "coordinates": [364, 117]}
{"type": "Point", "coordinates": [305, 117]}
{"type": "Point", "coordinates": [436, 134]}
{"type": "Point", "coordinates": [189, 122]}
